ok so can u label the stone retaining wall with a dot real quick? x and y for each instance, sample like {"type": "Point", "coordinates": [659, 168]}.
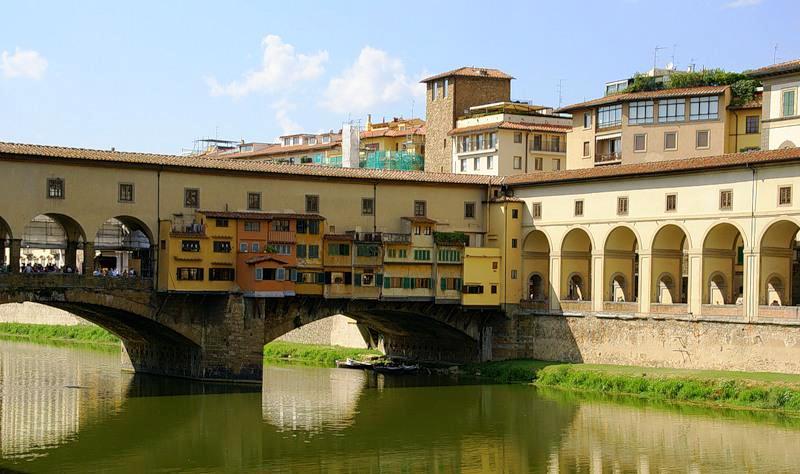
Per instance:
{"type": "Point", "coordinates": [33, 313]}
{"type": "Point", "coordinates": [333, 331]}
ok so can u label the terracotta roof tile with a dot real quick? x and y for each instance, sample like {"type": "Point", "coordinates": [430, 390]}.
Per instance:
{"type": "Point", "coordinates": [528, 127]}
{"type": "Point", "coordinates": [658, 167]}
{"type": "Point", "coordinates": [471, 72]}
{"type": "Point", "coordinates": [253, 215]}
{"type": "Point", "coordinates": [786, 67]}
{"type": "Point", "coordinates": [394, 132]}
{"type": "Point", "coordinates": [659, 94]}
{"type": "Point", "coordinates": [16, 151]}
{"type": "Point", "coordinates": [754, 103]}
{"type": "Point", "coordinates": [419, 219]}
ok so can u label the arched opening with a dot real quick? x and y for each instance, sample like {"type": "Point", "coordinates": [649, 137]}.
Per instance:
{"type": "Point", "coordinates": [52, 243]}
{"type": "Point", "coordinates": [5, 246]}
{"type": "Point", "coordinates": [780, 266]}
{"type": "Point", "coordinates": [670, 272]}
{"type": "Point", "coordinates": [123, 247]}
{"type": "Point", "coordinates": [723, 268]}
{"type": "Point", "coordinates": [621, 266]}
{"type": "Point", "coordinates": [576, 266]}
{"type": "Point", "coordinates": [536, 264]}
{"type": "Point", "coordinates": [786, 144]}
{"type": "Point", "coordinates": [536, 288]}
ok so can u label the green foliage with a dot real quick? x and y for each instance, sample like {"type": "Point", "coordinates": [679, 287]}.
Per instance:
{"type": "Point", "coordinates": [315, 354]}
{"type": "Point", "coordinates": [643, 82]}
{"type": "Point", "coordinates": [79, 333]}
{"type": "Point", "coordinates": [507, 371]}
{"type": "Point", "coordinates": [450, 238]}
{"type": "Point", "coordinates": [743, 88]}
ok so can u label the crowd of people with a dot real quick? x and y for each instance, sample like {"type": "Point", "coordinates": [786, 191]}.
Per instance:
{"type": "Point", "coordinates": [114, 273]}
{"type": "Point", "coordinates": [68, 269]}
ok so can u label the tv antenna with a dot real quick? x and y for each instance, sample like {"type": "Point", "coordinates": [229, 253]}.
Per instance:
{"type": "Point", "coordinates": [655, 55]}
{"type": "Point", "coordinates": [560, 90]}
{"type": "Point", "coordinates": [775, 54]}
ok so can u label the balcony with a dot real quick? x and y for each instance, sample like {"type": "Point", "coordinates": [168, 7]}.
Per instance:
{"type": "Point", "coordinates": [188, 229]}
{"type": "Point", "coordinates": [396, 238]}
{"type": "Point", "coordinates": [608, 158]}
{"type": "Point", "coordinates": [366, 236]}
{"type": "Point", "coordinates": [280, 236]}
{"type": "Point", "coordinates": [552, 147]}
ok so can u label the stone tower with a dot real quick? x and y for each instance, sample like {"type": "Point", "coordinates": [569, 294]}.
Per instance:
{"type": "Point", "coordinates": [448, 96]}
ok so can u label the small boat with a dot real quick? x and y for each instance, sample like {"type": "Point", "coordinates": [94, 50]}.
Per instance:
{"type": "Point", "coordinates": [352, 364]}
{"type": "Point", "coordinates": [396, 369]}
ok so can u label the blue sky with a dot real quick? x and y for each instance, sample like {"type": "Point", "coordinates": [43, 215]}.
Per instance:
{"type": "Point", "coordinates": [154, 76]}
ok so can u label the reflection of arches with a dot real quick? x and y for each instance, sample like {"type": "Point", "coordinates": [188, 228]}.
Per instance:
{"type": "Point", "coordinates": [666, 288]}
{"type": "Point", "coordinates": [618, 287]}
{"type": "Point", "coordinates": [717, 288]}
{"type": "Point", "coordinates": [536, 287]}
{"type": "Point", "coordinates": [775, 291]}
{"type": "Point", "coordinates": [575, 290]}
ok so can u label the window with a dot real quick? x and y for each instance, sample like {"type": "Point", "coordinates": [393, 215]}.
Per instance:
{"type": "Point", "coordinates": [515, 213]}
{"type": "Point", "coordinates": [312, 203]}
{"type": "Point", "coordinates": [191, 198]}
{"type": "Point", "coordinates": [254, 201]}
{"type": "Point", "coordinates": [428, 230]}
{"type": "Point", "coordinates": [489, 162]}
{"type": "Point", "coordinates": [463, 165]}
{"type": "Point", "coordinates": [622, 206]}
{"type": "Point", "coordinates": [313, 251]}
{"type": "Point", "coordinates": [280, 225]}
{"type": "Point", "coordinates": [579, 207]}
{"type": "Point", "coordinates": [517, 137]}
{"type": "Point", "coordinates": [125, 192]}
{"type": "Point", "coordinates": [609, 116]}
{"type": "Point", "coordinates": [434, 90]}
{"type": "Point", "coordinates": [450, 284]}
{"type": "Point", "coordinates": [493, 140]}
{"type": "Point", "coordinates": [536, 210]}
{"type": "Point", "coordinates": [672, 202]}
{"type": "Point", "coordinates": [537, 143]}
{"type": "Point", "coordinates": [367, 207]}
{"type": "Point", "coordinates": [495, 265]}
{"type": "Point", "coordinates": [313, 227]}
{"type": "Point", "coordinates": [302, 250]}
{"type": "Point", "coordinates": [449, 255]}
{"type": "Point", "coordinates": [556, 164]}
{"type": "Point", "coordinates": [469, 210]}
{"type": "Point", "coordinates": [222, 246]}
{"type": "Point", "coordinates": [517, 162]}
{"type": "Point", "coordinates": [476, 163]}
{"type": "Point", "coordinates": [339, 250]}
{"type": "Point", "coordinates": [513, 274]}
{"type": "Point", "coordinates": [420, 254]}
{"type": "Point", "coordinates": [221, 274]}
{"type": "Point", "coordinates": [192, 274]}
{"type": "Point", "coordinates": [670, 140]}
{"type": "Point", "coordinates": [363, 250]}
{"type": "Point", "coordinates": [190, 245]}
{"type": "Point", "coordinates": [280, 249]}
{"type": "Point", "coordinates": [671, 110]}
{"type": "Point", "coordinates": [555, 144]}
{"type": "Point", "coordinates": [640, 112]}
{"type": "Point", "coordinates": [221, 222]}
{"type": "Point", "coordinates": [788, 98]}
{"type": "Point", "coordinates": [640, 142]}
{"type": "Point", "coordinates": [538, 163]}
{"type": "Point", "coordinates": [751, 124]}
{"type": "Point", "coordinates": [472, 289]}
{"type": "Point", "coordinates": [587, 120]}
{"type": "Point", "coordinates": [444, 89]}
{"type": "Point", "coordinates": [243, 247]}
{"type": "Point", "coordinates": [494, 289]}
{"type": "Point", "coordinates": [514, 243]}
{"type": "Point", "coordinates": [587, 149]}
{"type": "Point", "coordinates": [420, 208]}
{"type": "Point", "coordinates": [254, 247]}
{"type": "Point", "coordinates": [277, 274]}
{"type": "Point", "coordinates": [326, 139]}
{"type": "Point", "coordinates": [703, 108]}
{"type": "Point", "coordinates": [726, 200]}
{"type": "Point", "coordinates": [55, 188]}
{"type": "Point", "coordinates": [701, 140]}
{"type": "Point", "coordinates": [784, 195]}
{"type": "Point", "coordinates": [252, 226]}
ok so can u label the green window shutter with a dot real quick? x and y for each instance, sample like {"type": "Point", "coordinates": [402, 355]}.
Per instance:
{"type": "Point", "coordinates": [406, 282]}
{"type": "Point", "coordinates": [387, 283]}
{"type": "Point", "coordinates": [444, 283]}
{"type": "Point", "coordinates": [458, 284]}
{"type": "Point", "coordinates": [357, 281]}
{"type": "Point", "coordinates": [379, 279]}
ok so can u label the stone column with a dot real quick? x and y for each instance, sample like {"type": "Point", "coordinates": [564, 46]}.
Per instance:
{"type": "Point", "coordinates": [598, 278]}
{"type": "Point", "coordinates": [88, 258]}
{"type": "Point", "coordinates": [645, 281]}
{"type": "Point", "coordinates": [750, 284]}
{"type": "Point", "coordinates": [555, 281]}
{"type": "Point", "coordinates": [695, 290]}
{"type": "Point", "coordinates": [71, 255]}
{"type": "Point", "coordinates": [13, 260]}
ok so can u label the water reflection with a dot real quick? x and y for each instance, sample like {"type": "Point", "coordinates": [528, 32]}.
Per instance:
{"type": "Point", "coordinates": [331, 420]}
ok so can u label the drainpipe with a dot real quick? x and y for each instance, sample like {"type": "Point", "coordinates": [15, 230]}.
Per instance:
{"type": "Point", "coordinates": [527, 134]}
{"type": "Point", "coordinates": [374, 207]}
{"type": "Point", "coordinates": [157, 253]}
{"type": "Point", "coordinates": [753, 198]}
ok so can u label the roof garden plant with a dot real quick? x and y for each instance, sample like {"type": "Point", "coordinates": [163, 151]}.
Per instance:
{"type": "Point", "coordinates": [743, 88]}
{"type": "Point", "coordinates": [450, 238]}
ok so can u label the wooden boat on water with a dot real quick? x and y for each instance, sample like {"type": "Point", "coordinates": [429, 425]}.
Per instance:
{"type": "Point", "coordinates": [353, 364]}
{"type": "Point", "coordinates": [396, 369]}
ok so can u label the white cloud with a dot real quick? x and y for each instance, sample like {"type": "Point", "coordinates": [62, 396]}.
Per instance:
{"type": "Point", "coordinates": [23, 63]}
{"type": "Point", "coordinates": [281, 68]}
{"type": "Point", "coordinates": [282, 109]}
{"type": "Point", "coordinates": [374, 78]}
{"type": "Point", "coordinates": [743, 3]}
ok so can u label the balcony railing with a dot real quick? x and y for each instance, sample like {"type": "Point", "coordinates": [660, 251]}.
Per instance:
{"type": "Point", "coordinates": [608, 158]}
{"type": "Point", "coordinates": [189, 229]}
{"type": "Point", "coordinates": [396, 238]}
{"type": "Point", "coordinates": [366, 236]}
{"type": "Point", "coordinates": [281, 236]}
{"type": "Point", "coordinates": [552, 147]}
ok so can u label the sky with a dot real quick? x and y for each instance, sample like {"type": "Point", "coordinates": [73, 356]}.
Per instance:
{"type": "Point", "coordinates": [155, 76]}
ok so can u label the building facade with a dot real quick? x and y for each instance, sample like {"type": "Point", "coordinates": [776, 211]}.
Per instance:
{"type": "Point", "coordinates": [780, 113]}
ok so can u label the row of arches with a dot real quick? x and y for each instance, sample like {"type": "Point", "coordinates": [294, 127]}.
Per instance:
{"type": "Point", "coordinates": [55, 242]}
{"type": "Point", "coordinates": [720, 257]}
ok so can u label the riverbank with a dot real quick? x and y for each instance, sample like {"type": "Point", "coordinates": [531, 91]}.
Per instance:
{"type": "Point", "coordinates": [752, 390]}
{"type": "Point", "coordinates": [86, 334]}
{"type": "Point", "coordinates": [315, 354]}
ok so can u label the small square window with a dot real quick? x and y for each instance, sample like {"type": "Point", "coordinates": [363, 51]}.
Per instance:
{"type": "Point", "coordinates": [514, 243]}
{"type": "Point", "coordinates": [420, 209]}
{"type": "Point", "coordinates": [726, 200]}
{"type": "Point", "coordinates": [640, 142]}
{"type": "Point", "coordinates": [191, 198]}
{"type": "Point", "coordinates": [517, 162]}
{"type": "Point", "coordinates": [671, 140]}
{"type": "Point", "coordinates": [469, 210]}
{"type": "Point", "coordinates": [495, 265]}
{"type": "Point", "coordinates": [622, 206]}
{"type": "Point", "coordinates": [538, 164]}
{"type": "Point", "coordinates": [785, 196]}
{"type": "Point", "coordinates": [253, 201]}
{"type": "Point", "coordinates": [672, 202]}
{"type": "Point", "coordinates": [751, 124]}
{"type": "Point", "coordinates": [494, 289]}
{"type": "Point", "coordinates": [513, 274]}
{"type": "Point", "coordinates": [55, 188]}
{"type": "Point", "coordinates": [312, 203]}
{"type": "Point", "coordinates": [587, 120]}
{"type": "Point", "coordinates": [586, 149]}
{"type": "Point", "coordinates": [579, 207]}
{"type": "Point", "coordinates": [517, 137]}
{"type": "Point", "coordinates": [702, 139]}
{"type": "Point", "coordinates": [125, 192]}
{"type": "Point", "coordinates": [367, 207]}
{"type": "Point", "coordinates": [556, 164]}
{"type": "Point", "coordinates": [536, 210]}
{"type": "Point", "coordinates": [515, 213]}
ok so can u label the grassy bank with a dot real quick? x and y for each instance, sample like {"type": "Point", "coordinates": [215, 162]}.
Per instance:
{"type": "Point", "coordinates": [753, 390]}
{"type": "Point", "coordinates": [46, 332]}
{"type": "Point", "coordinates": [314, 354]}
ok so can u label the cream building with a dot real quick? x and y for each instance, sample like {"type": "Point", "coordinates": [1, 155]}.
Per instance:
{"type": "Point", "coordinates": [780, 113]}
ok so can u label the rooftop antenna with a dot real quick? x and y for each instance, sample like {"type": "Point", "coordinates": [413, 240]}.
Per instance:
{"type": "Point", "coordinates": [674, 49]}
{"type": "Point", "coordinates": [655, 55]}
{"type": "Point", "coordinates": [775, 54]}
{"type": "Point", "coordinates": [691, 65]}
{"type": "Point", "coordinates": [560, 89]}
{"type": "Point", "coordinates": [412, 107]}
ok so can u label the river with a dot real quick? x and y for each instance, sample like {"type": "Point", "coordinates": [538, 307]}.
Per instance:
{"type": "Point", "coordinates": [70, 409]}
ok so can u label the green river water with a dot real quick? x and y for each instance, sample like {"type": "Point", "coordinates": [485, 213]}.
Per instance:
{"type": "Point", "coordinates": [68, 409]}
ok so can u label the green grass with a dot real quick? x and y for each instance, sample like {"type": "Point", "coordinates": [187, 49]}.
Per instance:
{"type": "Point", "coordinates": [314, 354]}
{"type": "Point", "coordinates": [507, 371]}
{"type": "Point", "coordinates": [46, 332]}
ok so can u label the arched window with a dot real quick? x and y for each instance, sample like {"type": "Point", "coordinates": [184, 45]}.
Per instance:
{"type": "Point", "coordinates": [575, 288]}
{"type": "Point", "coordinates": [775, 290]}
{"type": "Point", "coordinates": [535, 288]}
{"type": "Point", "coordinates": [717, 289]}
{"type": "Point", "coordinates": [666, 287]}
{"type": "Point", "coordinates": [617, 288]}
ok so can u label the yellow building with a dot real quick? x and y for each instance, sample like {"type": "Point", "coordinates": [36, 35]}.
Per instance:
{"type": "Point", "coordinates": [310, 270]}
{"type": "Point", "coordinates": [745, 126]}
{"type": "Point", "coordinates": [396, 135]}
{"type": "Point", "coordinates": [481, 277]}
